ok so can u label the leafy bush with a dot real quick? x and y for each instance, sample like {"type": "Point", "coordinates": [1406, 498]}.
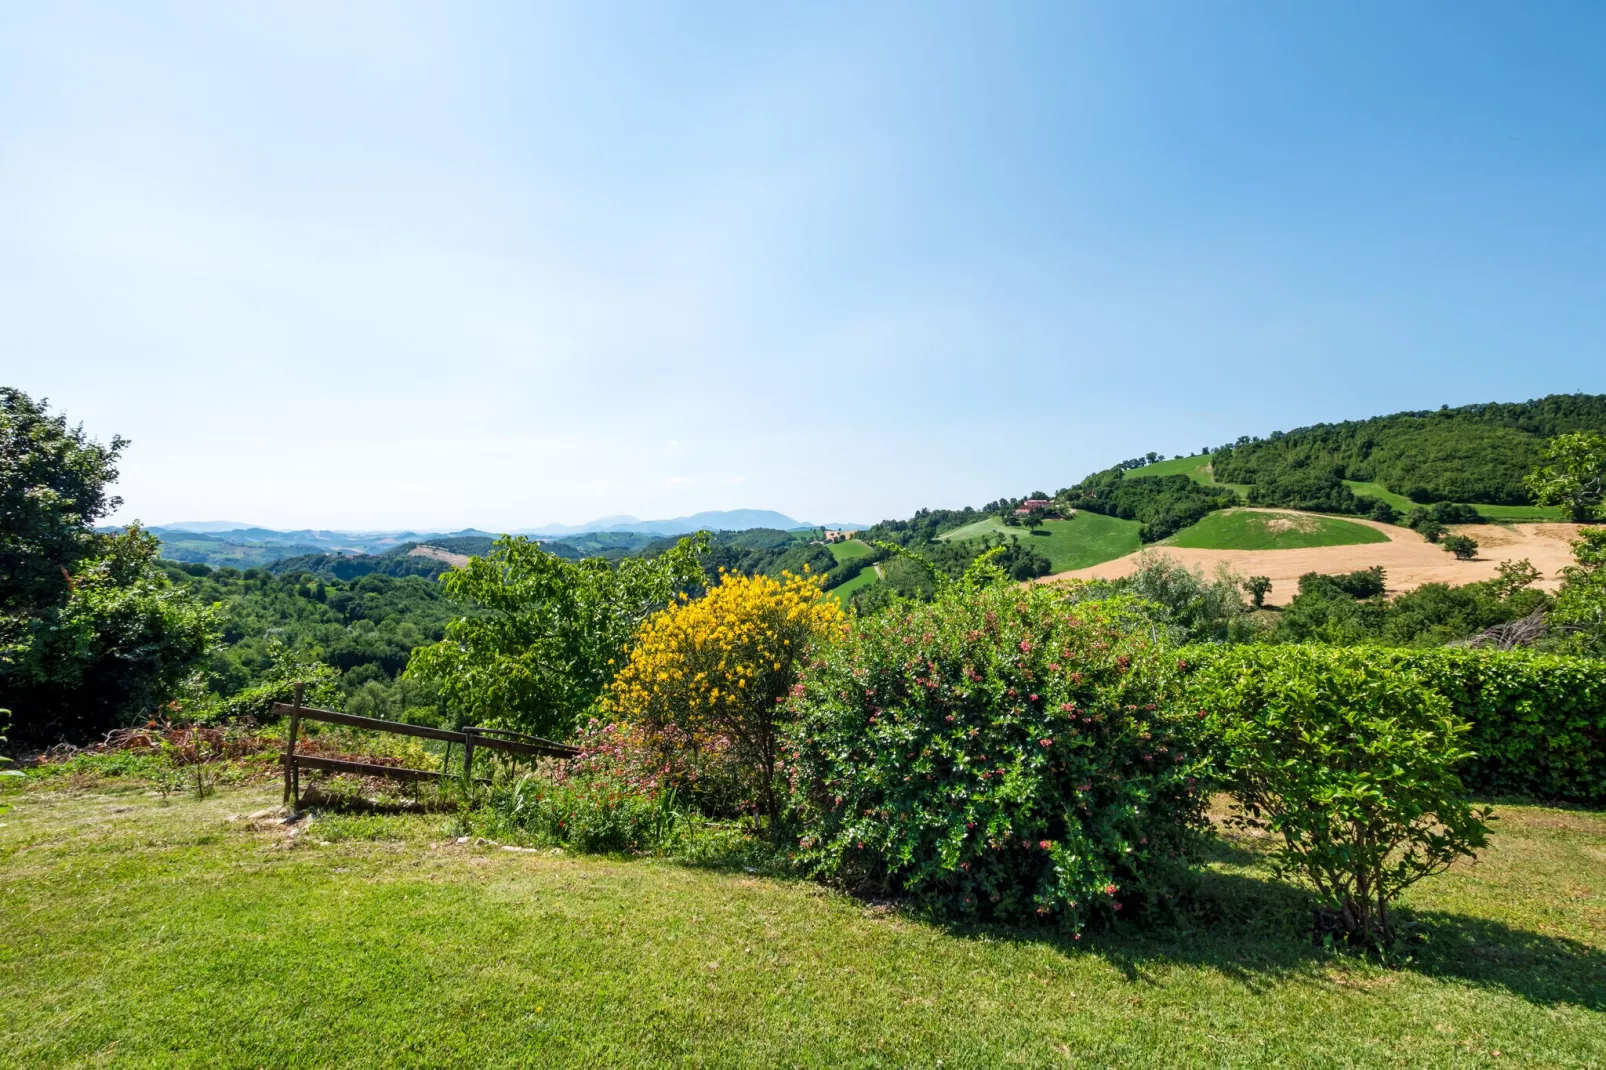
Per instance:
{"type": "Point", "coordinates": [1581, 603]}
{"type": "Point", "coordinates": [1573, 475]}
{"type": "Point", "coordinates": [1364, 583]}
{"type": "Point", "coordinates": [1463, 547]}
{"type": "Point", "coordinates": [596, 812]}
{"type": "Point", "coordinates": [1349, 757]}
{"type": "Point", "coordinates": [123, 644]}
{"type": "Point", "coordinates": [1196, 608]}
{"type": "Point", "coordinates": [1001, 752]}
{"type": "Point", "coordinates": [707, 676]}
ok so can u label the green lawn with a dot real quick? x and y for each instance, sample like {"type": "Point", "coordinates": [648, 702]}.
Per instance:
{"type": "Point", "coordinates": [1502, 513]}
{"type": "Point", "coordinates": [1246, 529]}
{"type": "Point", "coordinates": [851, 550]}
{"type": "Point", "coordinates": [142, 933]}
{"type": "Point", "coordinates": [1086, 540]}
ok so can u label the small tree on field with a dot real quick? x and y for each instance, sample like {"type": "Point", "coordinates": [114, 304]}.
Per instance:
{"type": "Point", "coordinates": [1431, 530]}
{"type": "Point", "coordinates": [1463, 547]}
{"type": "Point", "coordinates": [1258, 587]}
{"type": "Point", "coordinates": [1349, 759]}
{"type": "Point", "coordinates": [1572, 474]}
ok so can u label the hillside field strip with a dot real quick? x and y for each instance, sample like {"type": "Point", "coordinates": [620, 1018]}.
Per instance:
{"type": "Point", "coordinates": [851, 550]}
{"type": "Point", "coordinates": [1257, 529]}
{"type": "Point", "coordinates": [1409, 559]}
{"type": "Point", "coordinates": [1505, 514]}
{"type": "Point", "coordinates": [843, 592]}
{"type": "Point", "coordinates": [1196, 468]}
{"type": "Point", "coordinates": [1087, 539]}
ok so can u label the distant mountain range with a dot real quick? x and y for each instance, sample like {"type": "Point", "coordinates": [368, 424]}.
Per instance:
{"type": "Point", "coordinates": [220, 542]}
{"type": "Point", "coordinates": [729, 520]}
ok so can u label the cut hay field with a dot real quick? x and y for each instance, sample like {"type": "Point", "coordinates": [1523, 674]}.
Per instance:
{"type": "Point", "coordinates": [1409, 559]}
{"type": "Point", "coordinates": [137, 932]}
{"type": "Point", "coordinates": [1258, 529]}
{"type": "Point", "coordinates": [1088, 539]}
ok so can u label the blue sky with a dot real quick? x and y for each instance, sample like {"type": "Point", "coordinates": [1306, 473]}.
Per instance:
{"type": "Point", "coordinates": [371, 266]}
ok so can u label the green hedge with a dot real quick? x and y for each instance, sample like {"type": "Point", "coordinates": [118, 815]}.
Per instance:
{"type": "Point", "coordinates": [1538, 720]}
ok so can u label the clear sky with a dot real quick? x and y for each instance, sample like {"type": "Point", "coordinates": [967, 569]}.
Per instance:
{"type": "Point", "coordinates": [375, 266]}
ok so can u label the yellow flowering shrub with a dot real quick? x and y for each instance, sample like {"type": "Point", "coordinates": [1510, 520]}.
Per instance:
{"type": "Point", "coordinates": [701, 694]}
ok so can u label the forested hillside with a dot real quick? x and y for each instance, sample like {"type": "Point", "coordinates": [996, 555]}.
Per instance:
{"type": "Point", "coordinates": [1475, 453]}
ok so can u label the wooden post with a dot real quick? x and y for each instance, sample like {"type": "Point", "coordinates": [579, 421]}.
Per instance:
{"type": "Point", "coordinates": [468, 758]}
{"type": "Point", "coordinates": [292, 783]}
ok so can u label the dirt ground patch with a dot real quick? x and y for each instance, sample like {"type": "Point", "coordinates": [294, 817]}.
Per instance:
{"type": "Point", "coordinates": [455, 560]}
{"type": "Point", "coordinates": [1409, 560]}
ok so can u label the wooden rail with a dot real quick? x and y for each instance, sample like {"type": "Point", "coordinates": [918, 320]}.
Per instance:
{"type": "Point", "coordinates": [472, 738]}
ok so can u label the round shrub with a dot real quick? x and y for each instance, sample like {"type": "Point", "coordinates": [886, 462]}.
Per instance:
{"type": "Point", "coordinates": [1347, 756]}
{"type": "Point", "coordinates": [1002, 752]}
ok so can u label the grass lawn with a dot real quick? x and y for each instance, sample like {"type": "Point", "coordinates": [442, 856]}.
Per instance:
{"type": "Point", "coordinates": [844, 592]}
{"type": "Point", "coordinates": [851, 550]}
{"type": "Point", "coordinates": [141, 932]}
{"type": "Point", "coordinates": [1086, 540]}
{"type": "Point", "coordinates": [1246, 529]}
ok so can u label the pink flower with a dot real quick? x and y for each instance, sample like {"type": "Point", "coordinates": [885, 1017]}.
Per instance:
{"type": "Point", "coordinates": [1046, 742]}
{"type": "Point", "coordinates": [1044, 844]}
{"type": "Point", "coordinates": [1034, 698]}
{"type": "Point", "coordinates": [1025, 646]}
{"type": "Point", "coordinates": [1109, 889]}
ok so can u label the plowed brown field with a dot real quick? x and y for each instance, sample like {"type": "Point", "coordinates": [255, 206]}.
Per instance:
{"type": "Point", "coordinates": [1409, 560]}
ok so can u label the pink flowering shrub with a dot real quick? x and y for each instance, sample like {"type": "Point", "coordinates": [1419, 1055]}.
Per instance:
{"type": "Point", "coordinates": [1002, 752]}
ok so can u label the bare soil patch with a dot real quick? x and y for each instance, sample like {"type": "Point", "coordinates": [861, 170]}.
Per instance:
{"type": "Point", "coordinates": [435, 552]}
{"type": "Point", "coordinates": [1409, 560]}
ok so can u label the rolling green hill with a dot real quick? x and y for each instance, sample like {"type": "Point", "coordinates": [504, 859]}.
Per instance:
{"type": "Point", "coordinates": [1088, 539]}
{"type": "Point", "coordinates": [1248, 529]}
{"type": "Point", "coordinates": [1475, 454]}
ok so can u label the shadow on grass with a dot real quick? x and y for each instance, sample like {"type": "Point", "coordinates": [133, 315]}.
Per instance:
{"type": "Point", "coordinates": [1257, 932]}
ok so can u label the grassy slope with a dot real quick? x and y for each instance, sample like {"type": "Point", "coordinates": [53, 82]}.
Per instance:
{"type": "Point", "coordinates": [844, 592]}
{"type": "Point", "coordinates": [1507, 513]}
{"type": "Point", "coordinates": [1196, 468]}
{"type": "Point", "coordinates": [851, 550]}
{"type": "Point", "coordinates": [1087, 540]}
{"type": "Point", "coordinates": [1245, 529]}
{"type": "Point", "coordinates": [141, 933]}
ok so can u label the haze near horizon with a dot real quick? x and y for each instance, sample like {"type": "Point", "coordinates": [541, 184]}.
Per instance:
{"type": "Point", "coordinates": [406, 266]}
